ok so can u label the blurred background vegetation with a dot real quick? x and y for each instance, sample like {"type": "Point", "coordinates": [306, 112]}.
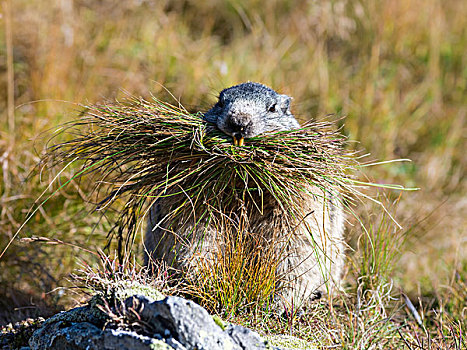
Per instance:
{"type": "Point", "coordinates": [396, 68]}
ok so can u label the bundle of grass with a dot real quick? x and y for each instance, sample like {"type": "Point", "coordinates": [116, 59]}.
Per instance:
{"type": "Point", "coordinates": [141, 152]}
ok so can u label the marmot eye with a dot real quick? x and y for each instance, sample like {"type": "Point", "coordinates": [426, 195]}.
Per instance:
{"type": "Point", "coordinates": [220, 103]}
{"type": "Point", "coordinates": [272, 108]}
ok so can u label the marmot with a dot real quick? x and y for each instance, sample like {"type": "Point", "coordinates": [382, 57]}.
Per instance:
{"type": "Point", "coordinates": [314, 253]}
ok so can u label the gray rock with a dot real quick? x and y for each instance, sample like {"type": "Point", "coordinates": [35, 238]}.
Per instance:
{"type": "Point", "coordinates": [246, 338]}
{"type": "Point", "coordinates": [172, 323]}
{"type": "Point", "coordinates": [86, 336]}
{"type": "Point", "coordinates": [184, 321]}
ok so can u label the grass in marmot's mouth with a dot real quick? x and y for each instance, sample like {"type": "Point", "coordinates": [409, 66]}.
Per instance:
{"type": "Point", "coordinates": [138, 151]}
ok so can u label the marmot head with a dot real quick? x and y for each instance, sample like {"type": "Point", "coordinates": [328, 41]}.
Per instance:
{"type": "Point", "coordinates": [249, 109]}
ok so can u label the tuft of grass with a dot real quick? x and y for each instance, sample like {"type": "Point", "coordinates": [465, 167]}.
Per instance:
{"type": "Point", "coordinates": [379, 247]}
{"type": "Point", "coordinates": [112, 280]}
{"type": "Point", "coordinates": [241, 276]}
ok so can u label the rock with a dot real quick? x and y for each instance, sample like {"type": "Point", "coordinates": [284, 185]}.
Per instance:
{"type": "Point", "coordinates": [246, 338]}
{"type": "Point", "coordinates": [140, 322]}
{"type": "Point", "coordinates": [84, 335]}
{"type": "Point", "coordinates": [184, 321]}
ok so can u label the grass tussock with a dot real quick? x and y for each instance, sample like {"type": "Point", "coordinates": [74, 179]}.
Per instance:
{"type": "Point", "coordinates": [112, 280]}
{"type": "Point", "coordinates": [241, 276]}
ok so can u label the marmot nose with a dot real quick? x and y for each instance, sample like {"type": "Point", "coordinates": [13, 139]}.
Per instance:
{"type": "Point", "coordinates": [238, 126]}
{"type": "Point", "coordinates": [237, 129]}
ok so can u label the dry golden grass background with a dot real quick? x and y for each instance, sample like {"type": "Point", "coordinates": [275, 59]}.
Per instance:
{"type": "Point", "coordinates": [397, 69]}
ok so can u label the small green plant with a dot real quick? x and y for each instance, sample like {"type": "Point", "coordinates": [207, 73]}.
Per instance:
{"type": "Point", "coordinates": [379, 247]}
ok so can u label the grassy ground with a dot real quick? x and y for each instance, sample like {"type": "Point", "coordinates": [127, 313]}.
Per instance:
{"type": "Point", "coordinates": [396, 69]}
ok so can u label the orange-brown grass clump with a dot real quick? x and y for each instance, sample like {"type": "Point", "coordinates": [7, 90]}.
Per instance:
{"type": "Point", "coordinates": [240, 274]}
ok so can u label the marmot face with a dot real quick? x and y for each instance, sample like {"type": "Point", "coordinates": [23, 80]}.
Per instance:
{"type": "Point", "coordinates": [250, 109]}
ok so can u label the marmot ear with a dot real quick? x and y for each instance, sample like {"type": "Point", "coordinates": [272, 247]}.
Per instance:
{"type": "Point", "coordinates": [284, 102]}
